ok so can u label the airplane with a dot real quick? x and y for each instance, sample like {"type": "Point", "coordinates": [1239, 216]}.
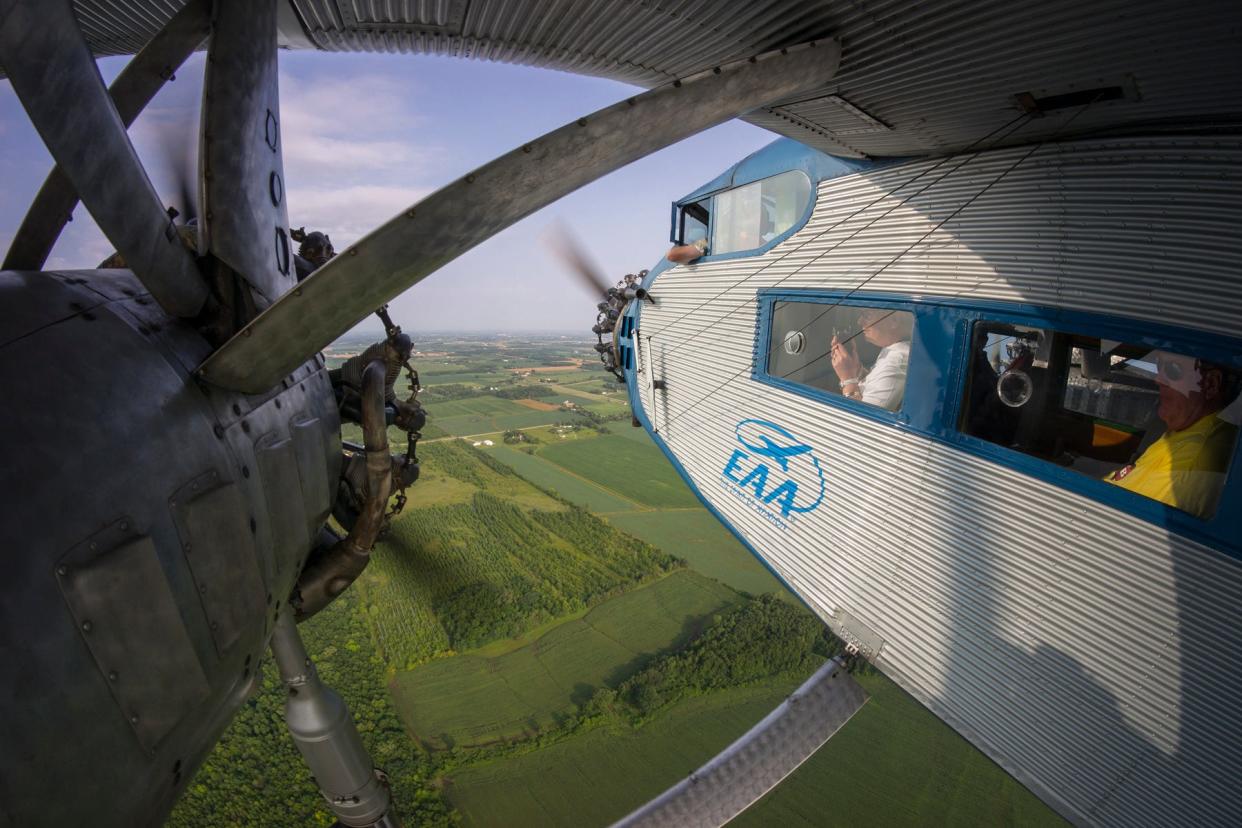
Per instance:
{"type": "Point", "coordinates": [1058, 177]}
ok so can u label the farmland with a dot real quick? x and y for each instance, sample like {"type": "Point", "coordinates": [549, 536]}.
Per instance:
{"type": "Point", "coordinates": [555, 629]}
{"type": "Point", "coordinates": [874, 772]}
{"type": "Point", "coordinates": [473, 700]}
{"type": "Point", "coordinates": [636, 471]}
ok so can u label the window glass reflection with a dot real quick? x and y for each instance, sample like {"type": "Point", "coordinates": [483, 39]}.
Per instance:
{"type": "Point", "coordinates": [750, 216]}
{"type": "Point", "coordinates": [1158, 423]}
{"type": "Point", "coordinates": [858, 352]}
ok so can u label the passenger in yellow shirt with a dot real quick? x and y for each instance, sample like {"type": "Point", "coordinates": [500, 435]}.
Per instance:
{"type": "Point", "coordinates": [1186, 467]}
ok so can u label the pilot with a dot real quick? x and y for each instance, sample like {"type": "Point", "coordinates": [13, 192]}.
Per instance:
{"type": "Point", "coordinates": [394, 353]}
{"type": "Point", "coordinates": [313, 253]}
{"type": "Point", "coordinates": [884, 384]}
{"type": "Point", "coordinates": [1185, 468]}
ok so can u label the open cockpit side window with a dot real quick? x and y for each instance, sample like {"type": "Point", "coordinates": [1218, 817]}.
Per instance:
{"type": "Point", "coordinates": [1159, 423]}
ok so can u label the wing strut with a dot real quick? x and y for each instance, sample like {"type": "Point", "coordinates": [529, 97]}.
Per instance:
{"type": "Point", "coordinates": [52, 71]}
{"type": "Point", "coordinates": [132, 90]}
{"type": "Point", "coordinates": [756, 763]}
{"type": "Point", "coordinates": [454, 219]}
{"type": "Point", "coordinates": [243, 217]}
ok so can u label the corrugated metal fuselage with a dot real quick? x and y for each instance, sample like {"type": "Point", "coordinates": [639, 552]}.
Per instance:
{"type": "Point", "coordinates": [1091, 651]}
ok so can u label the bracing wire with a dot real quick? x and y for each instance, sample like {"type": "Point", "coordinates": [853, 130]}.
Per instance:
{"type": "Point", "coordinates": [1000, 177]}
{"type": "Point", "coordinates": [1001, 133]}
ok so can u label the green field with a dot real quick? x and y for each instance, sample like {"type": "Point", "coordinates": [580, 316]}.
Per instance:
{"type": "Point", "coordinates": [635, 470]}
{"type": "Point", "coordinates": [481, 554]}
{"type": "Point", "coordinates": [472, 700]}
{"type": "Point", "coordinates": [893, 764]}
{"type": "Point", "coordinates": [482, 423]}
{"type": "Point", "coordinates": [599, 776]}
{"type": "Point", "coordinates": [696, 535]}
{"type": "Point", "coordinates": [550, 476]}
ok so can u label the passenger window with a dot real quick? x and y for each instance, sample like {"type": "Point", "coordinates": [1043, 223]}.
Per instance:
{"type": "Point", "coordinates": [858, 352]}
{"type": "Point", "coordinates": [1158, 423]}
{"type": "Point", "coordinates": [752, 215]}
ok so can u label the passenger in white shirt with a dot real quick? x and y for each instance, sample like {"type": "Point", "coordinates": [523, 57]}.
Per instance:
{"type": "Point", "coordinates": [884, 385]}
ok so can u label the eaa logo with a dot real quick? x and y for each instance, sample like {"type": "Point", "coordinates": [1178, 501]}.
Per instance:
{"type": "Point", "coordinates": [774, 469]}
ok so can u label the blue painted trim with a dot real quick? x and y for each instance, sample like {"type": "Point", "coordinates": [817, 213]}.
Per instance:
{"type": "Point", "coordinates": [1222, 531]}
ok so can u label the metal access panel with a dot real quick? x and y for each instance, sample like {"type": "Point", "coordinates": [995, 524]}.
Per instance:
{"type": "Point", "coordinates": [220, 552]}
{"type": "Point", "coordinates": [278, 469]}
{"type": "Point", "coordinates": [125, 611]}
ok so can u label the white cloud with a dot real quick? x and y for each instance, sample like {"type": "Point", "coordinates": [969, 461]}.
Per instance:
{"type": "Point", "coordinates": [341, 130]}
{"type": "Point", "coordinates": [349, 213]}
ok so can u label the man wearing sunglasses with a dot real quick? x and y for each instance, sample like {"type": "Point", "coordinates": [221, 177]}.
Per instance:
{"type": "Point", "coordinates": [1186, 466]}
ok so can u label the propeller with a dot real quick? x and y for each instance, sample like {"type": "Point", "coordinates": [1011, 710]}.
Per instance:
{"type": "Point", "coordinates": [565, 246]}
{"type": "Point", "coordinates": [176, 156]}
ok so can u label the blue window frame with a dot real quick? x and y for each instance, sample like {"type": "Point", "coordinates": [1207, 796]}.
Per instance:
{"type": "Point", "coordinates": [939, 378]}
{"type": "Point", "coordinates": [746, 219]}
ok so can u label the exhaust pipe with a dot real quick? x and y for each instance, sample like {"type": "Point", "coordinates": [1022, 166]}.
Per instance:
{"type": "Point", "coordinates": [328, 575]}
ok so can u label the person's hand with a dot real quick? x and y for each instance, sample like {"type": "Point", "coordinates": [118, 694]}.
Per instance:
{"type": "Point", "coordinates": [845, 359]}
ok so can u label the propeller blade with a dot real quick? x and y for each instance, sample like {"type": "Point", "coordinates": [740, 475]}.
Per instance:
{"type": "Point", "coordinates": [54, 75]}
{"type": "Point", "coordinates": [178, 142]}
{"type": "Point", "coordinates": [456, 218]}
{"type": "Point", "coordinates": [132, 90]}
{"type": "Point", "coordinates": [757, 762]}
{"type": "Point", "coordinates": [243, 217]}
{"type": "Point", "coordinates": [564, 244]}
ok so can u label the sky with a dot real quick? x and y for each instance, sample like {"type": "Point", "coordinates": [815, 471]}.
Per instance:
{"type": "Point", "coordinates": [366, 136]}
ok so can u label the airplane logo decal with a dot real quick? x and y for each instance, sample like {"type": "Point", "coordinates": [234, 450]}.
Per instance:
{"type": "Point", "coordinates": [773, 471]}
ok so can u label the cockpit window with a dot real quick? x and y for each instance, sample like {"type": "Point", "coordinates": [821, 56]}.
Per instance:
{"type": "Point", "coordinates": [694, 221]}
{"type": "Point", "coordinates": [1159, 423]}
{"type": "Point", "coordinates": [858, 352]}
{"type": "Point", "coordinates": [752, 215]}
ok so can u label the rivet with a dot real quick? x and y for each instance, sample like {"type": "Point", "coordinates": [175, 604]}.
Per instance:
{"type": "Point", "coordinates": [62, 570]}
{"type": "Point", "coordinates": [186, 547]}
{"type": "Point", "coordinates": [677, 84]}
{"type": "Point", "coordinates": [582, 122]}
{"type": "Point", "coordinates": [112, 675]}
{"type": "Point", "coordinates": [215, 625]}
{"type": "Point", "coordinates": [245, 471]}
{"type": "Point", "coordinates": [124, 525]}
{"type": "Point", "coordinates": [526, 148]}
{"type": "Point", "coordinates": [236, 408]}
{"type": "Point", "coordinates": [409, 214]}
{"type": "Point", "coordinates": [353, 251]}
{"type": "Point", "coordinates": [87, 626]}
{"type": "Point", "coordinates": [202, 590]}
{"type": "Point", "coordinates": [297, 291]}
{"type": "Point", "coordinates": [716, 70]}
{"type": "Point", "coordinates": [133, 719]}
{"type": "Point", "coordinates": [470, 178]}
{"type": "Point", "coordinates": [245, 426]}
{"type": "Point", "coordinates": [246, 332]}
{"type": "Point", "coordinates": [219, 430]}
{"type": "Point", "coordinates": [94, 546]}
